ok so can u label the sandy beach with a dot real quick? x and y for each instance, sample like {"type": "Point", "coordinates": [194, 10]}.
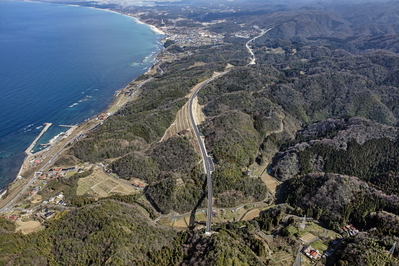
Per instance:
{"type": "Point", "coordinates": [152, 27]}
{"type": "Point", "coordinates": [137, 20]}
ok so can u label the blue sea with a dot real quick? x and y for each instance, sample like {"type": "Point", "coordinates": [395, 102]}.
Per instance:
{"type": "Point", "coordinates": [61, 64]}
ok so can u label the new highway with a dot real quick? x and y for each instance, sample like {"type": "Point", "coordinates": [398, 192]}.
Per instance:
{"type": "Point", "coordinates": [206, 160]}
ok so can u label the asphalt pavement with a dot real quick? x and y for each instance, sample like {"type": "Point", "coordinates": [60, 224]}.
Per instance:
{"type": "Point", "coordinates": [206, 160]}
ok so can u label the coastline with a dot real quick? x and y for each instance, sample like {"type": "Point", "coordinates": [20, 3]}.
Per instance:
{"type": "Point", "coordinates": [136, 19]}
{"type": "Point", "coordinates": [152, 27]}
{"type": "Point", "coordinates": [112, 104]}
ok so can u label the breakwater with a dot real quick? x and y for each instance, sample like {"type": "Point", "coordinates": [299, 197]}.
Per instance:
{"type": "Point", "coordinates": [29, 149]}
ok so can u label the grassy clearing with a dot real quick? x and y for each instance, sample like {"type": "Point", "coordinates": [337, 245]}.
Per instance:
{"type": "Point", "coordinates": [69, 174]}
{"type": "Point", "coordinates": [165, 221]}
{"type": "Point", "coordinates": [307, 236]}
{"type": "Point", "coordinates": [36, 199]}
{"type": "Point", "coordinates": [100, 192]}
{"type": "Point", "coordinates": [200, 216]}
{"type": "Point", "coordinates": [270, 182]}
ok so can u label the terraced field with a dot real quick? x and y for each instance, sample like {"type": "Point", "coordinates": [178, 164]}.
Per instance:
{"type": "Point", "coordinates": [102, 185]}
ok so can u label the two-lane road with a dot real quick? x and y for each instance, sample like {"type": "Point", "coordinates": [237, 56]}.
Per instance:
{"type": "Point", "coordinates": [206, 160]}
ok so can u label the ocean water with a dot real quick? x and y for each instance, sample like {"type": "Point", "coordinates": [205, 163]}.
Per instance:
{"type": "Point", "coordinates": [61, 64]}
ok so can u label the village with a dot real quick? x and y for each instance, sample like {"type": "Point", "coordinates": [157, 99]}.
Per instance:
{"type": "Point", "coordinates": [43, 203]}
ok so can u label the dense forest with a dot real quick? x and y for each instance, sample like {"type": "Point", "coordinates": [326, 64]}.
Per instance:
{"type": "Point", "coordinates": [111, 232]}
{"type": "Point", "coordinates": [118, 232]}
{"type": "Point", "coordinates": [108, 232]}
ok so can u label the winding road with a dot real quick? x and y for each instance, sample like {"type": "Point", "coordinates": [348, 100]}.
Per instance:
{"type": "Point", "coordinates": [263, 32]}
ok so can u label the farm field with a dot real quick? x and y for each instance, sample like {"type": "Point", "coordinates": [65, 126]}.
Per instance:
{"type": "Point", "coordinates": [279, 256]}
{"type": "Point", "coordinates": [270, 182]}
{"type": "Point", "coordinates": [102, 185]}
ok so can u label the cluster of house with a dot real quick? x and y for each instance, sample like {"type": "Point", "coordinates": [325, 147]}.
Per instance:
{"type": "Point", "coordinates": [34, 190]}
{"type": "Point", "coordinates": [130, 92]}
{"type": "Point", "coordinates": [56, 172]}
{"type": "Point", "coordinates": [311, 253]}
{"type": "Point", "coordinates": [57, 199]}
{"type": "Point", "coordinates": [190, 36]}
{"type": "Point", "coordinates": [45, 214]}
{"type": "Point", "coordinates": [51, 174]}
{"type": "Point", "coordinates": [331, 250]}
{"type": "Point", "coordinates": [62, 170]}
{"type": "Point", "coordinates": [79, 137]}
{"type": "Point", "coordinates": [351, 230]}
{"type": "Point", "coordinates": [11, 218]}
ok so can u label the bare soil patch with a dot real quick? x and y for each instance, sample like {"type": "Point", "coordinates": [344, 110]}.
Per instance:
{"type": "Point", "coordinates": [270, 182]}
{"type": "Point", "coordinates": [36, 199]}
{"type": "Point", "coordinates": [27, 227]}
{"type": "Point", "coordinates": [251, 214]}
{"type": "Point", "coordinates": [181, 126]}
{"type": "Point", "coordinates": [199, 116]}
{"type": "Point", "coordinates": [180, 222]}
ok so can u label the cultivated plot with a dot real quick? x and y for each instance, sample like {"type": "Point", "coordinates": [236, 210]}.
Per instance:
{"type": "Point", "coordinates": [102, 185]}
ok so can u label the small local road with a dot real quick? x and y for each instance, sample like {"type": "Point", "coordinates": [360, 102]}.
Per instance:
{"type": "Point", "coordinates": [298, 258]}
{"type": "Point", "coordinates": [18, 193]}
{"type": "Point", "coordinates": [206, 160]}
{"type": "Point", "coordinates": [252, 40]}
{"type": "Point", "coordinates": [178, 216]}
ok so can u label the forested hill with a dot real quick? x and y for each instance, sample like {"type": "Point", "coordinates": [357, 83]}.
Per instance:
{"type": "Point", "coordinates": [318, 111]}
